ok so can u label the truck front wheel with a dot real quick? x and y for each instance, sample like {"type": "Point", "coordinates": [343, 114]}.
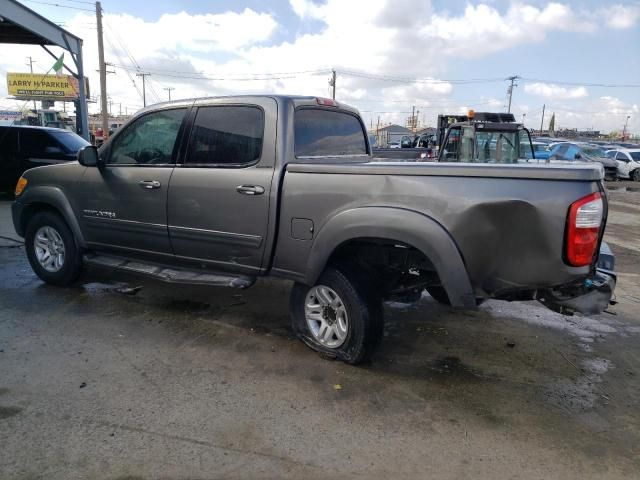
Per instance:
{"type": "Point", "coordinates": [339, 316]}
{"type": "Point", "coordinates": [51, 249]}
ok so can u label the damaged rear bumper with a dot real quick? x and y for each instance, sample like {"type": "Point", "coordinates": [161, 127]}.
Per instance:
{"type": "Point", "coordinates": [590, 296]}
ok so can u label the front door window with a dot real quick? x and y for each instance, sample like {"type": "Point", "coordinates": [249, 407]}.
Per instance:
{"type": "Point", "coordinates": [148, 141]}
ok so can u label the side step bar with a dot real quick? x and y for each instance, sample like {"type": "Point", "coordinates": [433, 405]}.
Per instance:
{"type": "Point", "coordinates": [169, 274]}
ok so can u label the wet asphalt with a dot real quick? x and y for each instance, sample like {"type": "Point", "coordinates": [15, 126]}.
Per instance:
{"type": "Point", "coordinates": [103, 381]}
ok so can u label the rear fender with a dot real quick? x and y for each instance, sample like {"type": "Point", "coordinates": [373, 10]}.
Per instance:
{"type": "Point", "coordinates": [400, 225]}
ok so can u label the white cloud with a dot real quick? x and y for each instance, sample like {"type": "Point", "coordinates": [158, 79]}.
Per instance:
{"type": "Point", "coordinates": [621, 16]}
{"type": "Point", "coordinates": [400, 38]}
{"type": "Point", "coordinates": [306, 9]}
{"type": "Point", "coordinates": [551, 91]}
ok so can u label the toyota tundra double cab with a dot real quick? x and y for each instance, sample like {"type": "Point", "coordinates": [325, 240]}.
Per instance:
{"type": "Point", "coordinates": [220, 191]}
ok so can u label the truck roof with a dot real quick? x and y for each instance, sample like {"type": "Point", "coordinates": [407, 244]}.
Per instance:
{"type": "Point", "coordinates": [37, 127]}
{"type": "Point", "coordinates": [296, 100]}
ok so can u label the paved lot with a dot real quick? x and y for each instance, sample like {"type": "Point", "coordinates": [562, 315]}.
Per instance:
{"type": "Point", "coordinates": [200, 383]}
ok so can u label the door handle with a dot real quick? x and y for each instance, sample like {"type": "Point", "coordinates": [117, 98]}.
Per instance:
{"type": "Point", "coordinates": [250, 189]}
{"type": "Point", "coordinates": [149, 184]}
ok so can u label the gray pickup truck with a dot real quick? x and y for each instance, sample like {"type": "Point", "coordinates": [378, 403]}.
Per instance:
{"type": "Point", "coordinates": [220, 191]}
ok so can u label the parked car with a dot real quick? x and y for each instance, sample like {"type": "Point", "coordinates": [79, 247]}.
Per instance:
{"type": "Point", "coordinates": [221, 191]}
{"type": "Point", "coordinates": [582, 152]}
{"type": "Point", "coordinates": [540, 151]}
{"type": "Point", "coordinates": [393, 144]}
{"type": "Point", "coordinates": [628, 160]}
{"type": "Point", "coordinates": [406, 141]}
{"type": "Point", "coordinates": [23, 147]}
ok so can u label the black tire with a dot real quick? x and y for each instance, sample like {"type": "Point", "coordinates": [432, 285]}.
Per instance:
{"type": "Point", "coordinates": [439, 294]}
{"type": "Point", "coordinates": [635, 175]}
{"type": "Point", "coordinates": [72, 265]}
{"type": "Point", "coordinates": [363, 308]}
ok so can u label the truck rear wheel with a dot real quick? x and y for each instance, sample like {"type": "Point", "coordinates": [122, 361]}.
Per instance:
{"type": "Point", "coordinates": [339, 316]}
{"type": "Point", "coordinates": [51, 249]}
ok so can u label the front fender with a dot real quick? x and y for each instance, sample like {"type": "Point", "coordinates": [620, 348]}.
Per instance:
{"type": "Point", "coordinates": [400, 225]}
{"type": "Point", "coordinates": [53, 197]}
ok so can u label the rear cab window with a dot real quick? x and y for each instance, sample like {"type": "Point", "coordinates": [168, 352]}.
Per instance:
{"type": "Point", "coordinates": [70, 142]}
{"type": "Point", "coordinates": [328, 133]}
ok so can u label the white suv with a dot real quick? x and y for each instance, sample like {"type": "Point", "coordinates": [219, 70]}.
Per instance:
{"type": "Point", "coordinates": [628, 160]}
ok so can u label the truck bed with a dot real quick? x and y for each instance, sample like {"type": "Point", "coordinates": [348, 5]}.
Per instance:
{"type": "Point", "coordinates": [507, 221]}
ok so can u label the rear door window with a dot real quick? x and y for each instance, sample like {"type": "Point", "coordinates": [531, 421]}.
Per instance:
{"type": "Point", "coordinates": [320, 132]}
{"type": "Point", "coordinates": [226, 136]}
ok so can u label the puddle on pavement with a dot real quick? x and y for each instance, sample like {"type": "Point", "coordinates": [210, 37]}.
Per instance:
{"type": "Point", "coordinates": [8, 412]}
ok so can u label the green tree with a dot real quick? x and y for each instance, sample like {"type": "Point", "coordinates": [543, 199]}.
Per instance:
{"type": "Point", "coordinates": [552, 123]}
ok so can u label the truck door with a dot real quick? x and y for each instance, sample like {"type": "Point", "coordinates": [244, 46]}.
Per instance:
{"type": "Point", "coordinates": [124, 204]}
{"type": "Point", "coordinates": [218, 208]}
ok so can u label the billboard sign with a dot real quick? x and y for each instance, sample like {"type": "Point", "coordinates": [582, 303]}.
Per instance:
{"type": "Point", "coordinates": [37, 86]}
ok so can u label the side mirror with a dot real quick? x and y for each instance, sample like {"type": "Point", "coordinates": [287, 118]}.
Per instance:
{"type": "Point", "coordinates": [88, 157]}
{"type": "Point", "coordinates": [578, 156]}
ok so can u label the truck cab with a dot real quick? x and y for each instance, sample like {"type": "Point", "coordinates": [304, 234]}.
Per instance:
{"type": "Point", "coordinates": [483, 137]}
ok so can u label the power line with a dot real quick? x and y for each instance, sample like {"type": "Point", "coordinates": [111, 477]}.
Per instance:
{"type": "Point", "coordinates": [203, 76]}
{"type": "Point", "coordinates": [390, 78]}
{"type": "Point", "coordinates": [581, 84]}
{"type": "Point", "coordinates": [318, 70]}
{"type": "Point", "coordinates": [61, 6]}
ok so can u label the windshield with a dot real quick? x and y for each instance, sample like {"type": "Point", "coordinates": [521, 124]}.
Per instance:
{"type": "Point", "coordinates": [71, 142]}
{"type": "Point", "coordinates": [593, 152]}
{"type": "Point", "coordinates": [635, 156]}
{"type": "Point", "coordinates": [499, 147]}
{"type": "Point", "coordinates": [470, 145]}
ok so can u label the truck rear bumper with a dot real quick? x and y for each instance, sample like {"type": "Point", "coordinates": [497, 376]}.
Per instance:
{"type": "Point", "coordinates": [592, 295]}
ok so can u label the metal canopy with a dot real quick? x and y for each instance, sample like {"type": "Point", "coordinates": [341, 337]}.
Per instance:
{"type": "Point", "coordinates": [21, 25]}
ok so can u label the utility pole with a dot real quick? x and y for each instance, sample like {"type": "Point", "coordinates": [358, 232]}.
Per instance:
{"type": "Point", "coordinates": [542, 119]}
{"type": "Point", "coordinates": [168, 89]}
{"type": "Point", "coordinates": [510, 89]}
{"type": "Point", "coordinates": [624, 130]}
{"type": "Point", "coordinates": [332, 83]}
{"type": "Point", "coordinates": [103, 74]}
{"type": "Point", "coordinates": [144, 87]}
{"type": "Point", "coordinates": [30, 63]}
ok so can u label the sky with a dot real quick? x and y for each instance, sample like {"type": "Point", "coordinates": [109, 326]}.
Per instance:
{"type": "Point", "coordinates": [581, 59]}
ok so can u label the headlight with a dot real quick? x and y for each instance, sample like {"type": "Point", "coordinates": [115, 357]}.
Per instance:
{"type": "Point", "coordinates": [20, 186]}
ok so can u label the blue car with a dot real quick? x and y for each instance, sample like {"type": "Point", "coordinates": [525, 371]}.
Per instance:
{"type": "Point", "coordinates": [583, 152]}
{"type": "Point", "coordinates": [540, 150]}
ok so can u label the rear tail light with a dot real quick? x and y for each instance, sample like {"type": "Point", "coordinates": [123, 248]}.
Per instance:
{"type": "Point", "coordinates": [583, 229]}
